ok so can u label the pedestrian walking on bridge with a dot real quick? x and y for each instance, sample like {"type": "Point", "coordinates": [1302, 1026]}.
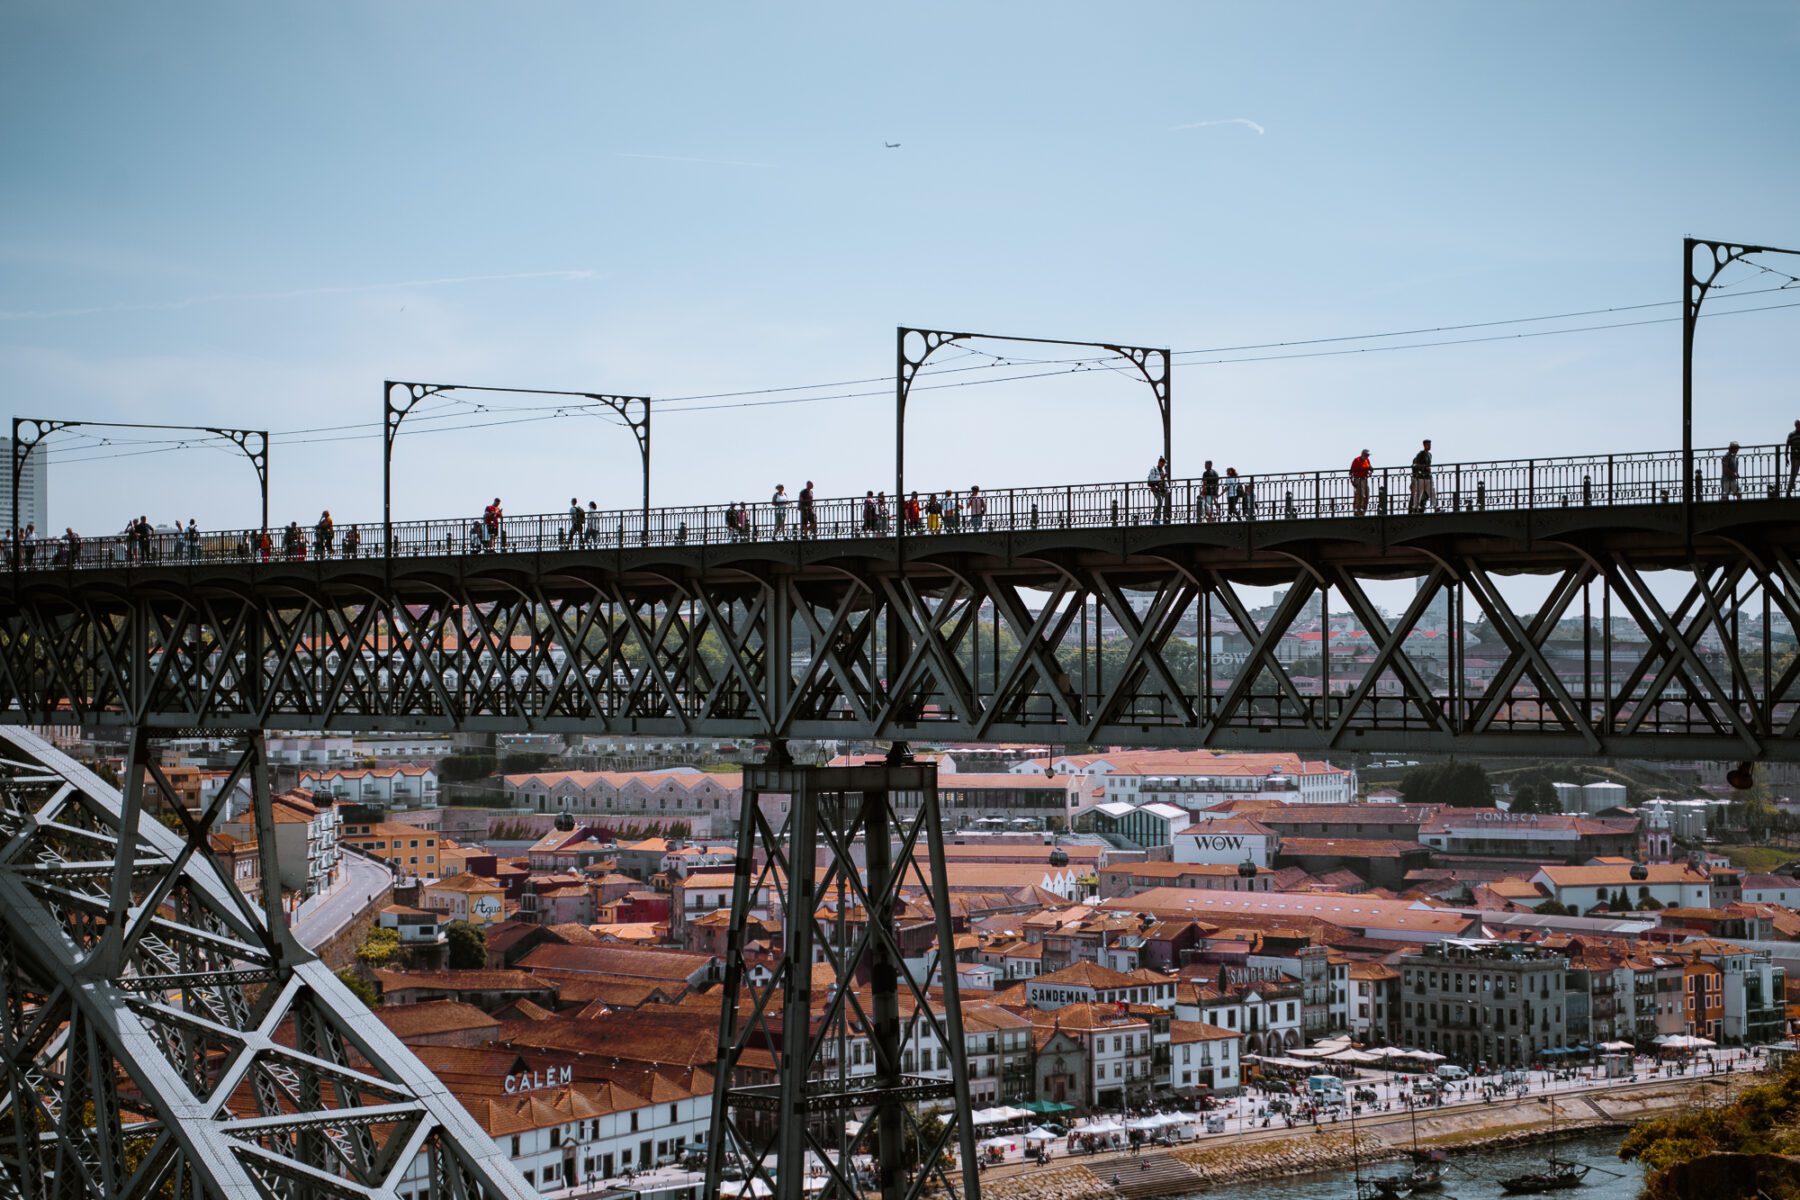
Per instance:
{"type": "Point", "coordinates": [1360, 470]}
{"type": "Point", "coordinates": [1423, 491]}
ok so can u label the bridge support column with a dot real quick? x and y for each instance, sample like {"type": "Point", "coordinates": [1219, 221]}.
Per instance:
{"type": "Point", "coordinates": [840, 858]}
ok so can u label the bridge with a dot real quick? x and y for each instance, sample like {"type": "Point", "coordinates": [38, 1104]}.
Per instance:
{"type": "Point", "coordinates": [164, 1036]}
{"type": "Point", "coordinates": [1095, 613]}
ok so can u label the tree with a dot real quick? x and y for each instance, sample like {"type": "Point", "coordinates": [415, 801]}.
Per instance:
{"type": "Point", "coordinates": [914, 1137]}
{"type": "Point", "coordinates": [466, 768]}
{"type": "Point", "coordinates": [361, 988]}
{"type": "Point", "coordinates": [468, 946]}
{"type": "Point", "coordinates": [1457, 784]}
{"type": "Point", "coordinates": [1649, 904]}
{"type": "Point", "coordinates": [1535, 796]}
{"type": "Point", "coordinates": [381, 947]}
{"type": "Point", "coordinates": [1620, 902]}
{"type": "Point", "coordinates": [524, 762]}
{"type": "Point", "coordinates": [1553, 908]}
{"type": "Point", "coordinates": [1684, 1151]}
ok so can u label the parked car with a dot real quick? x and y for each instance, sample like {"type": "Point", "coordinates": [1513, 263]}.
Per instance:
{"type": "Point", "coordinates": [1451, 1073]}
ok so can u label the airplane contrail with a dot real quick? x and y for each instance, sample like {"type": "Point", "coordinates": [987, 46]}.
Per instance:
{"type": "Point", "coordinates": [1252, 126]}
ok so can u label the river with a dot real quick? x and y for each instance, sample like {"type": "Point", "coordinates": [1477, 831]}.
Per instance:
{"type": "Point", "coordinates": [1472, 1175]}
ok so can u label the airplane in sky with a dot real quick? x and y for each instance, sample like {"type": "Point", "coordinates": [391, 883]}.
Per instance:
{"type": "Point", "coordinates": [891, 145]}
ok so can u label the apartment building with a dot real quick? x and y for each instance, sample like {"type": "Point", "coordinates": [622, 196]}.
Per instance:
{"type": "Point", "coordinates": [1480, 1001]}
{"type": "Point", "coordinates": [1103, 1058]}
{"type": "Point", "coordinates": [378, 787]}
{"type": "Point", "coordinates": [1203, 1056]}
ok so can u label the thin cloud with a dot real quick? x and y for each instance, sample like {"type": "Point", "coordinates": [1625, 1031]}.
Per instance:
{"type": "Point", "coordinates": [711, 162]}
{"type": "Point", "coordinates": [1252, 126]}
{"type": "Point", "coordinates": [351, 289]}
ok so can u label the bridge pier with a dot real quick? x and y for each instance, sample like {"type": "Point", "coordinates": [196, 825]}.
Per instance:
{"type": "Point", "coordinates": [790, 1082]}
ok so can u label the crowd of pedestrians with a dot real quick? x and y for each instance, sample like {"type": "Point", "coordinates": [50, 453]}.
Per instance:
{"type": "Point", "coordinates": [1230, 496]}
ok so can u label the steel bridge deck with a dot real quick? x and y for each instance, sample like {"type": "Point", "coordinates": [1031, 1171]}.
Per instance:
{"type": "Point", "coordinates": [1049, 634]}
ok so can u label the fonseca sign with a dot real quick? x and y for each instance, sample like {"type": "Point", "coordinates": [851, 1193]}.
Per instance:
{"type": "Point", "coordinates": [531, 1081]}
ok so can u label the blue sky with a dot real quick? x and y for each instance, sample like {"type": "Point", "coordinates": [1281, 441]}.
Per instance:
{"type": "Point", "coordinates": [252, 215]}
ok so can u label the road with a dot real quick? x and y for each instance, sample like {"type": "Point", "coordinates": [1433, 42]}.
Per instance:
{"type": "Point", "coordinates": [323, 916]}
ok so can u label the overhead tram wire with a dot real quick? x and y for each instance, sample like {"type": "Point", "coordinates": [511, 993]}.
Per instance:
{"type": "Point", "coordinates": [1071, 366]}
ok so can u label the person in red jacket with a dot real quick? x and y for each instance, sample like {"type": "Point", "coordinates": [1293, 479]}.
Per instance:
{"type": "Point", "coordinates": [1360, 469]}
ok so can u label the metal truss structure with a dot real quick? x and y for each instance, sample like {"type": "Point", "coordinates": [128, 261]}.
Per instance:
{"type": "Point", "coordinates": [163, 1033]}
{"type": "Point", "coordinates": [1031, 635]}
{"type": "Point", "coordinates": [787, 1083]}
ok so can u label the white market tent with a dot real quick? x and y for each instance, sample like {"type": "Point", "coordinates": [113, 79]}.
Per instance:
{"type": "Point", "coordinates": [1681, 1041]}
{"type": "Point", "coordinates": [1617, 1046]}
{"type": "Point", "coordinates": [1102, 1127]}
{"type": "Point", "coordinates": [1040, 1134]}
{"type": "Point", "coordinates": [1353, 1056]}
{"type": "Point", "coordinates": [1275, 1060]}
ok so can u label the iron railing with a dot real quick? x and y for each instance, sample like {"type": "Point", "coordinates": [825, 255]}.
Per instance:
{"type": "Point", "coordinates": [1583, 481]}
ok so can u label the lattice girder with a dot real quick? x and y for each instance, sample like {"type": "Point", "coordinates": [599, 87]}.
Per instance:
{"type": "Point", "coordinates": [160, 1038]}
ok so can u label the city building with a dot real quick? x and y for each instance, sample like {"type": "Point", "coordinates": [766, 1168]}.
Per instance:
{"type": "Point", "coordinates": [1374, 1003]}
{"type": "Point", "coordinates": [471, 898]}
{"type": "Point", "coordinates": [1497, 833]}
{"type": "Point", "coordinates": [1090, 983]}
{"type": "Point", "coordinates": [306, 840]}
{"type": "Point", "coordinates": [416, 926]}
{"type": "Point", "coordinates": [1102, 1059]}
{"type": "Point", "coordinates": [1479, 1001]}
{"type": "Point", "coordinates": [1227, 841]}
{"type": "Point", "coordinates": [382, 787]}
{"type": "Point", "coordinates": [1202, 1057]}
{"type": "Point", "coordinates": [34, 492]}
{"type": "Point", "coordinates": [1670, 885]}
{"type": "Point", "coordinates": [1126, 879]}
{"type": "Point", "coordinates": [411, 852]}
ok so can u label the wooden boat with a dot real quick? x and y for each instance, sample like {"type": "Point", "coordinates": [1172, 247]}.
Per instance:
{"type": "Point", "coordinates": [1561, 1174]}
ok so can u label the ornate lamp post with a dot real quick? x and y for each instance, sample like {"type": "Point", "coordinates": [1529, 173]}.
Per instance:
{"type": "Point", "coordinates": [399, 398]}
{"type": "Point", "coordinates": [29, 432]}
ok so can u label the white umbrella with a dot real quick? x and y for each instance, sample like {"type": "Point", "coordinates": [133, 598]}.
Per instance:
{"type": "Point", "coordinates": [986, 1116]}
{"type": "Point", "coordinates": [1617, 1046]}
{"type": "Point", "coordinates": [1001, 1143]}
{"type": "Point", "coordinates": [1015, 1114]}
{"type": "Point", "coordinates": [1040, 1134]}
{"type": "Point", "coordinates": [1354, 1056]}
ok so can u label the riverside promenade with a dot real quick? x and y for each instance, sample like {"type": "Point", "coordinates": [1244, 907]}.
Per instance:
{"type": "Point", "coordinates": [1248, 1150]}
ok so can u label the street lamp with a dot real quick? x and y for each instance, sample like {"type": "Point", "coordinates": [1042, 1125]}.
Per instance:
{"type": "Point", "coordinates": [399, 398]}
{"type": "Point", "coordinates": [28, 432]}
{"type": "Point", "coordinates": [912, 347]}
{"type": "Point", "coordinates": [1695, 283]}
